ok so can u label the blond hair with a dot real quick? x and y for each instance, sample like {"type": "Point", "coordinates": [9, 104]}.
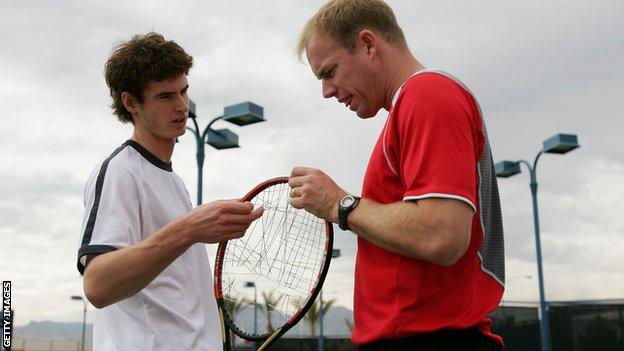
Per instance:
{"type": "Point", "coordinates": [344, 19]}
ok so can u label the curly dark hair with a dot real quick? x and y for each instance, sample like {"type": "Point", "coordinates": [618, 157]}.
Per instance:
{"type": "Point", "coordinates": [136, 62]}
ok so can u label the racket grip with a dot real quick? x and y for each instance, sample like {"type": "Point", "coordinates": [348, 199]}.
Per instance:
{"type": "Point", "coordinates": [225, 333]}
{"type": "Point", "coordinates": [271, 339]}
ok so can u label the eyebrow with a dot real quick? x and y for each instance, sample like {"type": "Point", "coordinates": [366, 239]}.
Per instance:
{"type": "Point", "coordinates": [165, 93]}
{"type": "Point", "coordinates": [325, 71]}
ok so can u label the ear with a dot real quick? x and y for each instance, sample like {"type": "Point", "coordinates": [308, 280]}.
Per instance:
{"type": "Point", "coordinates": [129, 102]}
{"type": "Point", "coordinates": [369, 41]}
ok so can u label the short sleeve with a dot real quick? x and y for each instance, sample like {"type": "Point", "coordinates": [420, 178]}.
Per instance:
{"type": "Point", "coordinates": [112, 217]}
{"type": "Point", "coordinates": [438, 141]}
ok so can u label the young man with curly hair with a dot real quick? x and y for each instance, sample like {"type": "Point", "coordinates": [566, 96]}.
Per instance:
{"type": "Point", "coordinates": [430, 262]}
{"type": "Point", "coordinates": [142, 252]}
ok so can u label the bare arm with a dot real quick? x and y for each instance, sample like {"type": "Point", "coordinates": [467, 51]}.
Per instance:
{"type": "Point", "coordinates": [435, 230]}
{"type": "Point", "coordinates": [120, 274]}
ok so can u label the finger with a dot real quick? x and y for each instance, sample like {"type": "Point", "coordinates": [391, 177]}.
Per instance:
{"type": "Point", "coordinates": [228, 206]}
{"type": "Point", "coordinates": [235, 228]}
{"type": "Point", "coordinates": [294, 193]}
{"type": "Point", "coordinates": [239, 231]}
{"type": "Point", "coordinates": [301, 171]}
{"type": "Point", "coordinates": [237, 207]}
{"type": "Point", "coordinates": [296, 202]}
{"type": "Point", "coordinates": [296, 181]}
{"type": "Point", "coordinates": [236, 220]}
{"type": "Point", "coordinates": [257, 213]}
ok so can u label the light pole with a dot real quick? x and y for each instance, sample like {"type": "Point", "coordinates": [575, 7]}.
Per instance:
{"type": "Point", "coordinates": [240, 114]}
{"type": "Point", "coordinates": [84, 317]}
{"type": "Point", "coordinates": [253, 285]}
{"type": "Point", "coordinates": [335, 254]}
{"type": "Point", "coordinates": [558, 144]}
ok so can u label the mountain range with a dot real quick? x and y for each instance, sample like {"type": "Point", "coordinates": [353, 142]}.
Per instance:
{"type": "Point", "coordinates": [334, 325]}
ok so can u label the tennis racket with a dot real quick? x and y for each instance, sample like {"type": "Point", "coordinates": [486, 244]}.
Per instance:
{"type": "Point", "coordinates": [282, 259]}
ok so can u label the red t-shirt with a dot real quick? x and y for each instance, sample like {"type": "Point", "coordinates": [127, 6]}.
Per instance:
{"type": "Point", "coordinates": [433, 145]}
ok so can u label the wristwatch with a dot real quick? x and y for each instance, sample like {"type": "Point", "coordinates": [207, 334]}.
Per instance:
{"type": "Point", "coordinates": [346, 205]}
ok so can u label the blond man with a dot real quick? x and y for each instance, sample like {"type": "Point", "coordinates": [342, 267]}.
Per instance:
{"type": "Point", "coordinates": [430, 261]}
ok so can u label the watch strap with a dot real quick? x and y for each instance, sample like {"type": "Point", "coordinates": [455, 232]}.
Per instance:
{"type": "Point", "coordinates": [343, 213]}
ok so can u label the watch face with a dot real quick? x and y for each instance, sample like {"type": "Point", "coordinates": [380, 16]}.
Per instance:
{"type": "Point", "coordinates": [347, 201]}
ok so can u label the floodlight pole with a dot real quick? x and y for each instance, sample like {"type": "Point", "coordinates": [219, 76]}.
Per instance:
{"type": "Point", "coordinates": [558, 144]}
{"type": "Point", "coordinates": [254, 345]}
{"type": "Point", "coordinates": [200, 140]}
{"type": "Point", "coordinates": [241, 114]}
{"type": "Point", "coordinates": [545, 320]}
{"type": "Point", "coordinates": [84, 318]}
{"type": "Point", "coordinates": [321, 342]}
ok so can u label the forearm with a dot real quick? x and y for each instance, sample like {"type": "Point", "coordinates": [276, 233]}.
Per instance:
{"type": "Point", "coordinates": [433, 229]}
{"type": "Point", "coordinates": [120, 274]}
{"type": "Point", "coordinates": [419, 229]}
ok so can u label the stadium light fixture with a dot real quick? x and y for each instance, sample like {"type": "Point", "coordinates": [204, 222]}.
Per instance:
{"type": "Point", "coordinates": [557, 144]}
{"type": "Point", "coordinates": [241, 114]}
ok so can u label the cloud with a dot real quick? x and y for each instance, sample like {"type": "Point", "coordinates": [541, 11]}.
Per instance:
{"type": "Point", "coordinates": [537, 69]}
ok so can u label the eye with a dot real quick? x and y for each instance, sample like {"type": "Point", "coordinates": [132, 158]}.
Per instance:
{"type": "Point", "coordinates": [330, 73]}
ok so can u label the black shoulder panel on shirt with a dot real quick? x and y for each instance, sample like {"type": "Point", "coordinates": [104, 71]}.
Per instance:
{"type": "Point", "coordinates": [86, 237]}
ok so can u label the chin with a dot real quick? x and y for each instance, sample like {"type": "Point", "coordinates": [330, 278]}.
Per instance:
{"type": "Point", "coordinates": [366, 113]}
{"type": "Point", "coordinates": [177, 133]}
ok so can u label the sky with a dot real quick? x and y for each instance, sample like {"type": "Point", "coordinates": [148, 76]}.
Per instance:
{"type": "Point", "coordinates": [537, 68]}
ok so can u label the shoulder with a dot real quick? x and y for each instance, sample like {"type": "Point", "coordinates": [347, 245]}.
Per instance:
{"type": "Point", "coordinates": [119, 166]}
{"type": "Point", "coordinates": [436, 94]}
{"type": "Point", "coordinates": [124, 159]}
{"type": "Point", "coordinates": [432, 86]}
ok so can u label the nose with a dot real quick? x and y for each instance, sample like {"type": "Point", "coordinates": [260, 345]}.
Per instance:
{"type": "Point", "coordinates": [329, 90]}
{"type": "Point", "coordinates": [183, 103]}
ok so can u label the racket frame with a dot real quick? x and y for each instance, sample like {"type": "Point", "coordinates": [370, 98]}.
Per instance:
{"type": "Point", "coordinates": [227, 322]}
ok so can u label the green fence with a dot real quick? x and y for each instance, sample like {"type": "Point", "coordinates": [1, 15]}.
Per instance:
{"type": "Point", "coordinates": [574, 326]}
{"type": "Point", "coordinates": [587, 325]}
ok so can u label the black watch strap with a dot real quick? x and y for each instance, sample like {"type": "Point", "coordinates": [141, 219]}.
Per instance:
{"type": "Point", "coordinates": [345, 210]}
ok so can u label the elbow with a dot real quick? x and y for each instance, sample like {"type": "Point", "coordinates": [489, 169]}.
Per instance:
{"type": "Point", "coordinates": [446, 258]}
{"type": "Point", "coordinates": [96, 298]}
{"type": "Point", "coordinates": [94, 293]}
{"type": "Point", "coordinates": [447, 251]}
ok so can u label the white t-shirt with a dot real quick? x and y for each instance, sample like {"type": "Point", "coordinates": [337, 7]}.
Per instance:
{"type": "Point", "coordinates": [128, 197]}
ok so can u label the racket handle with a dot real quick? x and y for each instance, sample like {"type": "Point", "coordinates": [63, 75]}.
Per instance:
{"type": "Point", "coordinates": [225, 333]}
{"type": "Point", "coordinates": [271, 339]}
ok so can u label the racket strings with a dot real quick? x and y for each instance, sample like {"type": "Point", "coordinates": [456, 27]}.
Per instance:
{"type": "Point", "coordinates": [294, 242]}
{"type": "Point", "coordinates": [283, 252]}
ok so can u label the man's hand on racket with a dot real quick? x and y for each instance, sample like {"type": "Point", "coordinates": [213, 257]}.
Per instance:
{"type": "Point", "coordinates": [220, 220]}
{"type": "Point", "coordinates": [316, 192]}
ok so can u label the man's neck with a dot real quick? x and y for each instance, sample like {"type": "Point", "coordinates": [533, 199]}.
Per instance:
{"type": "Point", "coordinates": [404, 66]}
{"type": "Point", "coordinates": [161, 148]}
